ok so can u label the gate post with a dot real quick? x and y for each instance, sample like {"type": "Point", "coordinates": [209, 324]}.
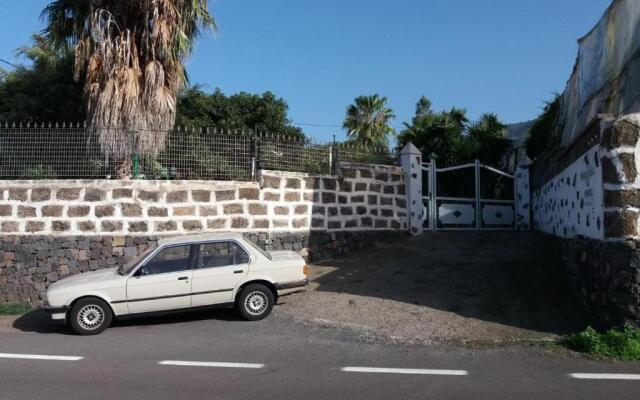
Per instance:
{"type": "Point", "coordinates": [411, 163]}
{"type": "Point", "coordinates": [478, 211]}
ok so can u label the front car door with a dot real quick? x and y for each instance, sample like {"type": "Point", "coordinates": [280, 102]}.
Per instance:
{"type": "Point", "coordinates": [219, 268]}
{"type": "Point", "coordinates": [163, 282]}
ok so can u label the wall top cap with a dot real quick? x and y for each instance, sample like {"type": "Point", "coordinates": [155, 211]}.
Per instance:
{"type": "Point", "coordinates": [410, 148]}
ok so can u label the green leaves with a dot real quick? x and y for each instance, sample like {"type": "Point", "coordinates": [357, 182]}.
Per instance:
{"type": "Point", "coordinates": [546, 131]}
{"type": "Point", "coordinates": [622, 344]}
{"type": "Point", "coordinates": [368, 120]}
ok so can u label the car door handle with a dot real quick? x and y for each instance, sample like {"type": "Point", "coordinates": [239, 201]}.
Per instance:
{"type": "Point", "coordinates": [183, 278]}
{"type": "Point", "coordinates": [238, 271]}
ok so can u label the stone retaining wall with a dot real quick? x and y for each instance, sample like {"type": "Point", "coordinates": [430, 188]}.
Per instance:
{"type": "Point", "coordinates": [28, 264]}
{"type": "Point", "coordinates": [361, 197]}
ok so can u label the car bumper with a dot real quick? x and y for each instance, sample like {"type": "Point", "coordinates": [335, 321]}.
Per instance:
{"type": "Point", "coordinates": [56, 312]}
{"type": "Point", "coordinates": [292, 285]}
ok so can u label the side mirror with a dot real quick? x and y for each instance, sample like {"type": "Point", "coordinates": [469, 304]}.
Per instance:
{"type": "Point", "coordinates": [142, 271]}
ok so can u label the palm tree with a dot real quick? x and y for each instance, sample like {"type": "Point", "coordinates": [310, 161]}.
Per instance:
{"type": "Point", "coordinates": [130, 54]}
{"type": "Point", "coordinates": [368, 121]}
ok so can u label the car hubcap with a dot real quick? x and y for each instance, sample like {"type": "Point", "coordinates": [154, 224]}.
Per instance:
{"type": "Point", "coordinates": [91, 317]}
{"type": "Point", "coordinates": [256, 303]}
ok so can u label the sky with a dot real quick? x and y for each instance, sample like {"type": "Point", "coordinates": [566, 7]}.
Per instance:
{"type": "Point", "coordinates": [501, 56]}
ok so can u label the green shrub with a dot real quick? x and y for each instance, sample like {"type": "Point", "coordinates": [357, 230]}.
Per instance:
{"type": "Point", "coordinates": [38, 172]}
{"type": "Point", "coordinates": [15, 308]}
{"type": "Point", "coordinates": [622, 344]}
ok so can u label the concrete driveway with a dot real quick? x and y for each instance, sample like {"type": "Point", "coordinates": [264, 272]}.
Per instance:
{"type": "Point", "coordinates": [454, 287]}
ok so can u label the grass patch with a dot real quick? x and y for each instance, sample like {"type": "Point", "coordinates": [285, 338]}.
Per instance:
{"type": "Point", "coordinates": [621, 344]}
{"type": "Point", "coordinates": [15, 308]}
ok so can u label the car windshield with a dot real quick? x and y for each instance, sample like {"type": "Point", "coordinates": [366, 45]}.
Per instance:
{"type": "Point", "coordinates": [255, 246]}
{"type": "Point", "coordinates": [131, 264]}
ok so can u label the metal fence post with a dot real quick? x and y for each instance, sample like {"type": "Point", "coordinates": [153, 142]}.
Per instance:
{"type": "Point", "coordinates": [255, 157]}
{"type": "Point", "coordinates": [333, 156]}
{"type": "Point", "coordinates": [477, 179]}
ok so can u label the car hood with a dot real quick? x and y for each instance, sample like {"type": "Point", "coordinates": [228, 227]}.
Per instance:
{"type": "Point", "coordinates": [94, 278]}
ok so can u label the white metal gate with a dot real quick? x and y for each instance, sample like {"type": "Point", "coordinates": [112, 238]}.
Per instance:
{"type": "Point", "coordinates": [468, 196]}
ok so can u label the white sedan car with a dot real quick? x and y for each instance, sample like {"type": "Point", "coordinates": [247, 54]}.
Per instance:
{"type": "Point", "coordinates": [221, 269]}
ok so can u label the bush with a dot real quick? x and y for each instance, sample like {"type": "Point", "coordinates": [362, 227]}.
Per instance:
{"type": "Point", "coordinates": [14, 308]}
{"type": "Point", "coordinates": [622, 344]}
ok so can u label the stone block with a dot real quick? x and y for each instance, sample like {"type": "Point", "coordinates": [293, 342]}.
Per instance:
{"type": "Point", "coordinates": [26, 212]}
{"type": "Point", "coordinates": [261, 224]}
{"type": "Point", "coordinates": [138, 227]}
{"type": "Point", "coordinates": [312, 183]}
{"type": "Point", "coordinates": [361, 210]}
{"type": "Point", "coordinates": [618, 224]}
{"type": "Point", "coordinates": [148, 195]}
{"type": "Point", "coordinates": [292, 183]}
{"type": "Point", "coordinates": [388, 189]}
{"type": "Point", "coordinates": [104, 211]}
{"type": "Point", "coordinates": [167, 226]}
{"type": "Point", "coordinates": [386, 212]}
{"type": "Point", "coordinates": [298, 223]}
{"type": "Point", "coordinates": [184, 211]}
{"type": "Point", "coordinates": [622, 133]}
{"type": "Point", "coordinates": [40, 194]}
{"type": "Point", "coordinates": [386, 201]}
{"type": "Point", "coordinates": [257, 209]}
{"type": "Point", "coordinates": [78, 211]}
{"type": "Point", "coordinates": [375, 187]}
{"type": "Point", "coordinates": [332, 211]}
{"type": "Point", "coordinates": [357, 199]}
{"type": "Point", "coordinates": [329, 184]}
{"type": "Point", "coordinates": [201, 196]}
{"type": "Point", "coordinates": [86, 226]}
{"type": "Point", "coordinates": [179, 196]}
{"type": "Point", "coordinates": [292, 196]}
{"type": "Point", "coordinates": [249, 194]}
{"type": "Point", "coordinates": [342, 199]}
{"type": "Point", "coordinates": [94, 195]}
{"type": "Point", "coordinates": [68, 194]}
{"type": "Point", "coordinates": [352, 223]}
{"type": "Point", "coordinates": [349, 173]}
{"type": "Point", "coordinates": [239, 223]}
{"type": "Point", "coordinates": [111, 226]}
{"type": "Point", "coordinates": [361, 187]}
{"type": "Point", "coordinates": [60, 226]}
{"type": "Point", "coordinates": [206, 211]}
{"type": "Point", "coordinates": [18, 194]}
{"type": "Point", "coordinates": [6, 210]}
{"type": "Point", "coordinates": [192, 226]}
{"type": "Point", "coordinates": [9, 227]}
{"type": "Point", "coordinates": [52, 211]}
{"type": "Point", "coordinates": [365, 173]}
{"type": "Point", "coordinates": [122, 193]}
{"type": "Point", "coordinates": [225, 195]}
{"type": "Point", "coordinates": [381, 223]}
{"type": "Point", "coordinates": [328, 198]}
{"type": "Point", "coordinates": [271, 196]}
{"type": "Point", "coordinates": [217, 223]}
{"type": "Point", "coordinates": [232, 209]}
{"type": "Point", "coordinates": [280, 223]}
{"type": "Point", "coordinates": [382, 176]}
{"type": "Point", "coordinates": [335, 225]}
{"type": "Point", "coordinates": [270, 182]}
{"type": "Point", "coordinates": [301, 209]}
{"type": "Point", "coordinates": [34, 226]}
{"type": "Point", "coordinates": [281, 210]}
{"type": "Point", "coordinates": [402, 203]}
{"type": "Point", "coordinates": [346, 211]}
{"type": "Point", "coordinates": [345, 186]}
{"type": "Point", "coordinates": [157, 212]}
{"type": "Point", "coordinates": [130, 210]}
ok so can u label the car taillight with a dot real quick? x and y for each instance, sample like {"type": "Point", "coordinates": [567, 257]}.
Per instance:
{"type": "Point", "coordinates": [306, 269]}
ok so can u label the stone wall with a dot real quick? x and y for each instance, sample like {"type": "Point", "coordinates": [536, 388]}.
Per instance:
{"type": "Point", "coordinates": [605, 276]}
{"type": "Point", "coordinates": [361, 197]}
{"type": "Point", "coordinates": [28, 264]}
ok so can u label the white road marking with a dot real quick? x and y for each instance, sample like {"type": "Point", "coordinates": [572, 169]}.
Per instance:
{"type": "Point", "coordinates": [624, 377]}
{"type": "Point", "coordinates": [452, 372]}
{"type": "Point", "coordinates": [211, 364]}
{"type": "Point", "coordinates": [39, 357]}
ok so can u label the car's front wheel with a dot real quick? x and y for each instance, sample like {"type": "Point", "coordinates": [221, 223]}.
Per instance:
{"type": "Point", "coordinates": [255, 302]}
{"type": "Point", "coordinates": [90, 316]}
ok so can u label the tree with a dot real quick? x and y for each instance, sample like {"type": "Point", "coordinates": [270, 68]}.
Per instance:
{"type": "Point", "coordinates": [130, 54]}
{"type": "Point", "coordinates": [450, 135]}
{"type": "Point", "coordinates": [546, 131]}
{"type": "Point", "coordinates": [242, 111]}
{"type": "Point", "coordinates": [367, 121]}
{"type": "Point", "coordinates": [43, 92]}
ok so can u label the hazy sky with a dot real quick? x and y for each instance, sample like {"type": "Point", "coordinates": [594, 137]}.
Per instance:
{"type": "Point", "coordinates": [502, 56]}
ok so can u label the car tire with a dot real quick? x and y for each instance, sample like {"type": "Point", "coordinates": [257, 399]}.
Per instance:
{"type": "Point", "coordinates": [255, 302]}
{"type": "Point", "coordinates": [90, 316]}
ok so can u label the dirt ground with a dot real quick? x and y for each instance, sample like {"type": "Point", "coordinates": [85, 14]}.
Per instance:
{"type": "Point", "coordinates": [451, 287]}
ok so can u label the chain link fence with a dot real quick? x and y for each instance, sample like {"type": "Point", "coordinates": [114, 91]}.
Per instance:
{"type": "Point", "coordinates": [78, 152]}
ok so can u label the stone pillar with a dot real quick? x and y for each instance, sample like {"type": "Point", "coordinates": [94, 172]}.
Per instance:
{"type": "Point", "coordinates": [523, 198]}
{"type": "Point", "coordinates": [411, 162]}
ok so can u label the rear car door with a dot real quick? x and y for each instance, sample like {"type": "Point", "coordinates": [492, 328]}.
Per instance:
{"type": "Point", "coordinates": [163, 282]}
{"type": "Point", "coordinates": [220, 266]}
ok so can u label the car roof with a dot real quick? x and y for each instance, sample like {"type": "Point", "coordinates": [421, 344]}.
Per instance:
{"type": "Point", "coordinates": [202, 237]}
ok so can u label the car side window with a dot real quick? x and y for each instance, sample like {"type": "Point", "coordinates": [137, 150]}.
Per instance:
{"type": "Point", "coordinates": [221, 254]}
{"type": "Point", "coordinates": [171, 259]}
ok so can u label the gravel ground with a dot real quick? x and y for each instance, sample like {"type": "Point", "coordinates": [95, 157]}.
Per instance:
{"type": "Point", "coordinates": [474, 288]}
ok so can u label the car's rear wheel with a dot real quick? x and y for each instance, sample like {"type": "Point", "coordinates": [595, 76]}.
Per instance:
{"type": "Point", "coordinates": [255, 302]}
{"type": "Point", "coordinates": [90, 316]}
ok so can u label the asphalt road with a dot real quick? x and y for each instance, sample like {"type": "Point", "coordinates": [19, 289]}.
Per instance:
{"type": "Point", "coordinates": [281, 359]}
